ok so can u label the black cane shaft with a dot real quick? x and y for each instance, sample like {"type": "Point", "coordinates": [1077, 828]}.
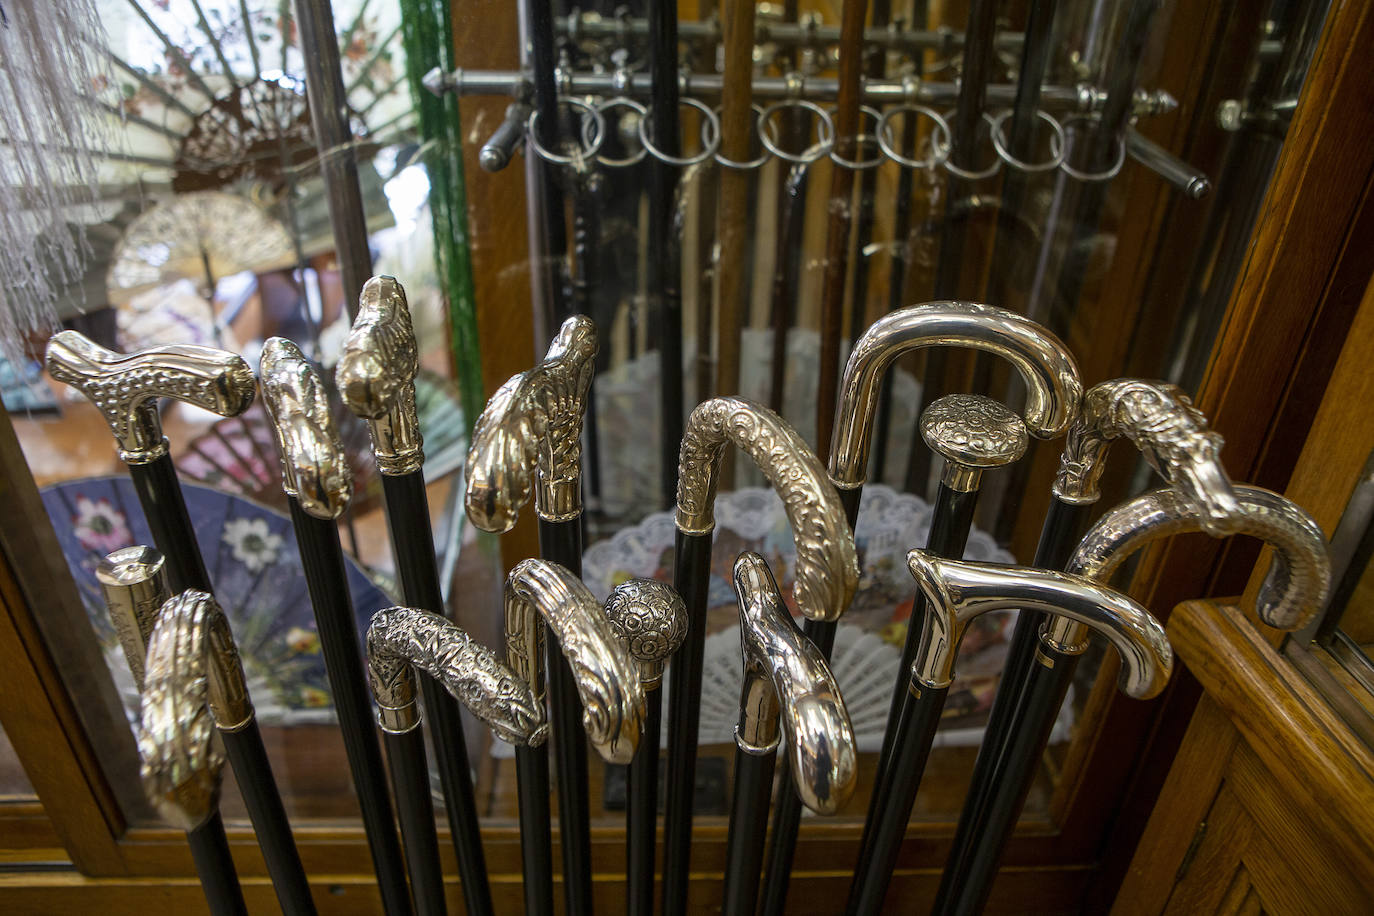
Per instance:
{"type": "Point", "coordinates": [327, 578]}
{"type": "Point", "coordinates": [1047, 681]}
{"type": "Point", "coordinates": [691, 574]}
{"type": "Point", "coordinates": [917, 722]}
{"type": "Point", "coordinates": [748, 820]}
{"type": "Point", "coordinates": [410, 780]}
{"type": "Point", "coordinates": [561, 542]}
{"type": "Point", "coordinates": [664, 282]}
{"type": "Point", "coordinates": [641, 813]}
{"type": "Point", "coordinates": [215, 868]}
{"type": "Point", "coordinates": [412, 543]}
{"type": "Point", "coordinates": [536, 844]}
{"type": "Point", "coordinates": [159, 493]}
{"type": "Point", "coordinates": [253, 772]}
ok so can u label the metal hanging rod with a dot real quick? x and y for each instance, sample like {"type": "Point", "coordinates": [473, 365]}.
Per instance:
{"type": "Point", "coordinates": [1082, 98]}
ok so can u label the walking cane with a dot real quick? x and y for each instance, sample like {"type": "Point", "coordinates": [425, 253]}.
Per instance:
{"type": "Point", "coordinates": [376, 377]}
{"type": "Point", "coordinates": [1174, 439]}
{"type": "Point", "coordinates": [1294, 590]}
{"type": "Point", "coordinates": [956, 592]}
{"type": "Point", "coordinates": [608, 688]}
{"type": "Point", "coordinates": [787, 679]}
{"type": "Point", "coordinates": [528, 438]}
{"type": "Point", "coordinates": [125, 389]}
{"type": "Point", "coordinates": [1051, 380]}
{"type": "Point", "coordinates": [650, 618]}
{"type": "Point", "coordinates": [827, 572]}
{"type": "Point", "coordinates": [400, 640]}
{"type": "Point", "coordinates": [134, 582]}
{"type": "Point", "coordinates": [318, 486]}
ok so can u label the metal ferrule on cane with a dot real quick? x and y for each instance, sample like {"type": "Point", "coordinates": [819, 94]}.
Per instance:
{"type": "Point", "coordinates": [789, 688]}
{"type": "Point", "coordinates": [606, 675]}
{"type": "Point", "coordinates": [376, 376]}
{"type": "Point", "coordinates": [314, 466]}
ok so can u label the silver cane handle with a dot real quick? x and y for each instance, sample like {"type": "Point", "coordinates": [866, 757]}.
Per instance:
{"type": "Point", "coordinates": [125, 388]}
{"type": "Point", "coordinates": [376, 376]}
{"type": "Point", "coordinates": [973, 434]}
{"type": "Point", "coordinates": [134, 582]}
{"type": "Point", "coordinates": [650, 618]}
{"type": "Point", "coordinates": [314, 466]}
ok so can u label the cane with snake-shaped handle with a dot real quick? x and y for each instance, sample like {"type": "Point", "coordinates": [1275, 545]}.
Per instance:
{"type": "Point", "coordinates": [376, 378]}
{"type": "Point", "coordinates": [126, 389]}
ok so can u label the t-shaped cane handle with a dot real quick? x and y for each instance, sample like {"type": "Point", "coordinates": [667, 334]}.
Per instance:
{"type": "Point", "coordinates": [607, 676]}
{"type": "Point", "coordinates": [827, 571]}
{"type": "Point", "coordinates": [957, 591]}
{"type": "Point", "coordinates": [400, 639]}
{"type": "Point", "coordinates": [376, 376]}
{"type": "Point", "coordinates": [650, 618]}
{"type": "Point", "coordinates": [125, 389]}
{"type": "Point", "coordinates": [1041, 359]}
{"type": "Point", "coordinates": [530, 433]}
{"type": "Point", "coordinates": [314, 466]}
{"type": "Point", "coordinates": [787, 682]}
{"type": "Point", "coordinates": [1170, 432]}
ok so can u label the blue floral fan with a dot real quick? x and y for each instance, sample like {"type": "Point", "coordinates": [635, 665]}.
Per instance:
{"type": "Point", "coordinates": [250, 552]}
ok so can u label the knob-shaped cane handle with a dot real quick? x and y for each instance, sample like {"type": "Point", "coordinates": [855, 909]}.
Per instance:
{"type": "Point", "coordinates": [125, 388]}
{"type": "Point", "coordinates": [1299, 574]}
{"type": "Point", "coordinates": [376, 376]}
{"type": "Point", "coordinates": [530, 433]}
{"type": "Point", "coordinates": [972, 433]}
{"type": "Point", "coordinates": [314, 467]}
{"type": "Point", "coordinates": [787, 681]}
{"type": "Point", "coordinates": [1041, 359]}
{"type": "Point", "coordinates": [827, 570]}
{"type": "Point", "coordinates": [134, 581]}
{"type": "Point", "coordinates": [650, 618]}
{"type": "Point", "coordinates": [1170, 432]}
{"type": "Point", "coordinates": [958, 591]}
{"type": "Point", "coordinates": [607, 676]}
{"type": "Point", "coordinates": [401, 639]}
{"type": "Point", "coordinates": [193, 684]}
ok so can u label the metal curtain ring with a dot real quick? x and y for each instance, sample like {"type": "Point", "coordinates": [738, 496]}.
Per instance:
{"type": "Point", "coordinates": [710, 135]}
{"type": "Point", "coordinates": [532, 133]}
{"type": "Point", "coordinates": [749, 164]}
{"type": "Point", "coordinates": [860, 139]}
{"type": "Point", "coordinates": [1105, 175]}
{"type": "Point", "coordinates": [939, 150]}
{"type": "Point", "coordinates": [968, 174]}
{"type": "Point", "coordinates": [610, 105]}
{"type": "Point", "coordinates": [825, 132]}
{"type": "Point", "coordinates": [1058, 145]}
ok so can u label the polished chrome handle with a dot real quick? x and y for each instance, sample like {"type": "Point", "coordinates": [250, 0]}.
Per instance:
{"type": "Point", "coordinates": [314, 466]}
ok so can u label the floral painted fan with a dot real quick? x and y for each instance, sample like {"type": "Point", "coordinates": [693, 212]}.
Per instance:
{"type": "Point", "coordinates": [250, 552]}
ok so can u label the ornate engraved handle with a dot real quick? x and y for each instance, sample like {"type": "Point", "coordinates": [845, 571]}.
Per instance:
{"type": "Point", "coordinates": [650, 618]}
{"type": "Point", "coordinates": [958, 591]}
{"type": "Point", "coordinates": [827, 562]}
{"type": "Point", "coordinates": [125, 389]}
{"type": "Point", "coordinates": [613, 705]}
{"type": "Point", "coordinates": [972, 433]}
{"type": "Point", "coordinates": [400, 639]}
{"type": "Point", "coordinates": [134, 581]}
{"type": "Point", "coordinates": [1299, 575]}
{"type": "Point", "coordinates": [314, 468]}
{"type": "Point", "coordinates": [1170, 432]}
{"type": "Point", "coordinates": [1044, 363]}
{"type": "Point", "coordinates": [787, 678]}
{"type": "Point", "coordinates": [376, 376]}
{"type": "Point", "coordinates": [534, 422]}
{"type": "Point", "coordinates": [193, 679]}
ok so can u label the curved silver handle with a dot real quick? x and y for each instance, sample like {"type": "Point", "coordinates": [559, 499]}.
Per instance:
{"type": "Point", "coordinates": [607, 676]}
{"type": "Point", "coordinates": [1043, 362]}
{"type": "Point", "coordinates": [376, 376]}
{"type": "Point", "coordinates": [532, 428]}
{"type": "Point", "coordinates": [1299, 575]}
{"type": "Point", "coordinates": [314, 466]}
{"type": "Point", "coordinates": [400, 639]}
{"type": "Point", "coordinates": [958, 591]}
{"type": "Point", "coordinates": [787, 679]}
{"type": "Point", "coordinates": [125, 389]}
{"type": "Point", "coordinates": [1172, 434]}
{"type": "Point", "coordinates": [827, 561]}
